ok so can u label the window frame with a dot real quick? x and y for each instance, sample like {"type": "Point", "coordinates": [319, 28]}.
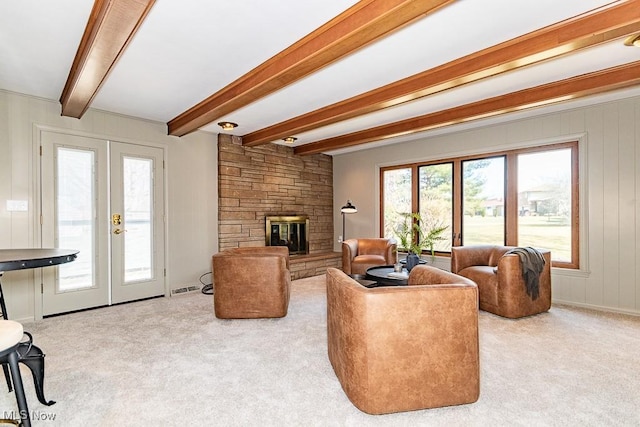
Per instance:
{"type": "Point", "coordinates": [511, 193]}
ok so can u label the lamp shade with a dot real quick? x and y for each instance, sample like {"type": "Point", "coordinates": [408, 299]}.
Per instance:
{"type": "Point", "coordinates": [349, 208]}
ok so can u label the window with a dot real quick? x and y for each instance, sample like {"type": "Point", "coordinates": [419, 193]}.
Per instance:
{"type": "Point", "coordinates": [525, 197]}
{"type": "Point", "coordinates": [397, 199]}
{"type": "Point", "coordinates": [544, 202]}
{"type": "Point", "coordinates": [436, 200]}
{"type": "Point", "coordinates": [483, 201]}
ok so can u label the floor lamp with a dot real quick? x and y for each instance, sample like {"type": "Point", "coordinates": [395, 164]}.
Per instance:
{"type": "Point", "coordinates": [347, 209]}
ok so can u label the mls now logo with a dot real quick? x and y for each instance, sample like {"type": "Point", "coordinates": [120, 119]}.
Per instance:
{"type": "Point", "coordinates": [35, 415]}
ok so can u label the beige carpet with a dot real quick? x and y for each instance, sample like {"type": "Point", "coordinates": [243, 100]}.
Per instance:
{"type": "Point", "coordinates": [170, 362]}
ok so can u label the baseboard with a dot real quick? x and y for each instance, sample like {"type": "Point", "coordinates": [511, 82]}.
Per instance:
{"type": "Point", "coordinates": [598, 307]}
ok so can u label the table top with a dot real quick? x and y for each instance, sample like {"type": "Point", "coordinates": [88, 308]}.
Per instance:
{"type": "Point", "coordinates": [18, 259]}
{"type": "Point", "coordinates": [381, 275]}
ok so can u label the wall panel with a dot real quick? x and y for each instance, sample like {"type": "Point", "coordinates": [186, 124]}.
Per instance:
{"type": "Point", "coordinates": [596, 214]}
{"type": "Point", "coordinates": [610, 206]}
{"type": "Point", "coordinates": [626, 205]}
{"type": "Point", "coordinates": [636, 121]}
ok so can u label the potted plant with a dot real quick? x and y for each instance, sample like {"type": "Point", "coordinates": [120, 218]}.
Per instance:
{"type": "Point", "coordinates": [415, 240]}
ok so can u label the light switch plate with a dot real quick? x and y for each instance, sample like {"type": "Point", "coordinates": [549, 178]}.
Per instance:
{"type": "Point", "coordinates": [17, 205]}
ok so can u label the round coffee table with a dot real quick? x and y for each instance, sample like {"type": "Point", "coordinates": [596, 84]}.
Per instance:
{"type": "Point", "coordinates": [381, 275]}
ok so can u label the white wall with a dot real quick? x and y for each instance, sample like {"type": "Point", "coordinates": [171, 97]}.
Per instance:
{"type": "Point", "coordinates": [610, 239]}
{"type": "Point", "coordinates": [193, 207]}
{"type": "Point", "coordinates": [192, 195]}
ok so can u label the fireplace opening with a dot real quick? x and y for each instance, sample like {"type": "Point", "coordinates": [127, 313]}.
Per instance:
{"type": "Point", "coordinates": [289, 231]}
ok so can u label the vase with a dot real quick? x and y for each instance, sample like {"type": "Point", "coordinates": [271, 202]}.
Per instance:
{"type": "Point", "coordinates": [412, 261]}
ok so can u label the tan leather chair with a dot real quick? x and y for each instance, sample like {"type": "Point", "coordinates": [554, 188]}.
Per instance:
{"type": "Point", "coordinates": [251, 282]}
{"type": "Point", "coordinates": [402, 348]}
{"type": "Point", "coordinates": [360, 254]}
{"type": "Point", "coordinates": [500, 280]}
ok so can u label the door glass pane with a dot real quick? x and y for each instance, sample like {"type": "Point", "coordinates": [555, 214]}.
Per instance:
{"type": "Point", "coordinates": [483, 201]}
{"type": "Point", "coordinates": [544, 202]}
{"type": "Point", "coordinates": [436, 202]}
{"type": "Point", "coordinates": [138, 245]}
{"type": "Point", "coordinates": [397, 199]}
{"type": "Point", "coordinates": [75, 216]}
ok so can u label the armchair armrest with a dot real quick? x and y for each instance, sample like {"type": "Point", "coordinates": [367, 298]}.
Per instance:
{"type": "Point", "coordinates": [428, 275]}
{"type": "Point", "coordinates": [511, 284]}
{"type": "Point", "coordinates": [255, 270]}
{"type": "Point", "coordinates": [349, 252]}
{"type": "Point", "coordinates": [282, 251]}
{"type": "Point", "coordinates": [391, 253]}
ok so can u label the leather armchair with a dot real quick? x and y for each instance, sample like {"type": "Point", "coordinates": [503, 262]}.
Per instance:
{"type": "Point", "coordinates": [360, 254]}
{"type": "Point", "coordinates": [251, 282]}
{"type": "Point", "coordinates": [500, 280]}
{"type": "Point", "coordinates": [402, 348]}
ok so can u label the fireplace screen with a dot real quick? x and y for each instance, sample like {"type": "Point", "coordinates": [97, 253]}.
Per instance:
{"type": "Point", "coordinates": [289, 231]}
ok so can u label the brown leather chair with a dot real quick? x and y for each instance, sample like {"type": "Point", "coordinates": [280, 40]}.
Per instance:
{"type": "Point", "coordinates": [360, 254]}
{"type": "Point", "coordinates": [500, 281]}
{"type": "Point", "coordinates": [402, 348]}
{"type": "Point", "coordinates": [251, 282]}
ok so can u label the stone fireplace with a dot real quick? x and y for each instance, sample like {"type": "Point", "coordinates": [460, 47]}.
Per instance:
{"type": "Point", "coordinates": [271, 181]}
{"type": "Point", "coordinates": [290, 231]}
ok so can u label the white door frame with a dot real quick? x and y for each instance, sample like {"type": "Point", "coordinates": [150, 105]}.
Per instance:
{"type": "Point", "coordinates": [37, 130]}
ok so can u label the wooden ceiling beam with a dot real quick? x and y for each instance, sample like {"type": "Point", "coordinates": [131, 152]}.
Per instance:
{"type": "Point", "coordinates": [619, 77]}
{"type": "Point", "coordinates": [358, 26]}
{"type": "Point", "coordinates": [604, 24]}
{"type": "Point", "coordinates": [111, 26]}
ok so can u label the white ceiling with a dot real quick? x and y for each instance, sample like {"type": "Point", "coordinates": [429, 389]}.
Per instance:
{"type": "Point", "coordinates": [186, 50]}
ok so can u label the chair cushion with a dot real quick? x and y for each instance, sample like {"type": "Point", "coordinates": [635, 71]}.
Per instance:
{"type": "Point", "coordinates": [10, 334]}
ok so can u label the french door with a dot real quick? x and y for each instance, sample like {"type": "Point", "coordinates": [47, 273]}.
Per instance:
{"type": "Point", "coordinates": [105, 199]}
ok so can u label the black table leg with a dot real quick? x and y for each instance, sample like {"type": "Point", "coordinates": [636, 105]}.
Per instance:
{"type": "Point", "coordinates": [3, 307]}
{"type": "Point", "coordinates": [5, 367]}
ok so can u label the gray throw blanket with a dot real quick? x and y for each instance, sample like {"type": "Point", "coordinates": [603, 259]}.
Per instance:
{"type": "Point", "coordinates": [532, 263]}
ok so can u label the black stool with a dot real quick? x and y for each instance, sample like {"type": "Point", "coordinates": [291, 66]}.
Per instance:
{"type": "Point", "coordinates": [11, 334]}
{"type": "Point", "coordinates": [29, 355]}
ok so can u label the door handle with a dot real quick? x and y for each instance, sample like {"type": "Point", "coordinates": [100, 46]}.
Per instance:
{"type": "Point", "coordinates": [118, 231]}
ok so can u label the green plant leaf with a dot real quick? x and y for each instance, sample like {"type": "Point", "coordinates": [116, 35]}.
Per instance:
{"type": "Point", "coordinates": [414, 239]}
